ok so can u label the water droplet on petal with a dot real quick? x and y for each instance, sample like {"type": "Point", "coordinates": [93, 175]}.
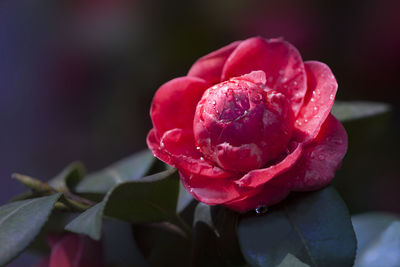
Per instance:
{"type": "Point", "coordinates": [261, 209]}
{"type": "Point", "coordinates": [331, 97]}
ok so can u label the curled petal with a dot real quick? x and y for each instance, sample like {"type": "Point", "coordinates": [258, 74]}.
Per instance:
{"type": "Point", "coordinates": [320, 159]}
{"type": "Point", "coordinates": [261, 176]}
{"type": "Point", "coordinates": [210, 66]}
{"type": "Point", "coordinates": [280, 61]}
{"type": "Point", "coordinates": [211, 191]}
{"type": "Point", "coordinates": [177, 148]}
{"type": "Point", "coordinates": [322, 87]}
{"type": "Point", "coordinates": [175, 102]}
{"type": "Point", "coordinates": [153, 142]}
{"type": "Point", "coordinates": [267, 195]}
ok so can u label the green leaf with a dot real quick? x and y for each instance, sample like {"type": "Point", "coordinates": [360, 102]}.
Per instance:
{"type": "Point", "coordinates": [369, 226]}
{"type": "Point", "coordinates": [150, 199]}
{"type": "Point", "coordinates": [88, 222]}
{"type": "Point", "coordinates": [215, 241]}
{"type": "Point", "coordinates": [314, 227]}
{"type": "Point", "coordinates": [69, 177]}
{"type": "Point", "coordinates": [20, 222]}
{"type": "Point", "coordinates": [128, 169]}
{"type": "Point", "coordinates": [126, 252]}
{"type": "Point", "coordinates": [347, 111]}
{"type": "Point", "coordinates": [292, 261]}
{"type": "Point", "coordinates": [376, 242]}
{"type": "Point", "coordinates": [384, 251]}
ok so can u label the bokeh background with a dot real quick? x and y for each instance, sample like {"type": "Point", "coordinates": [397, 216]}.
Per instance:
{"type": "Point", "coordinates": [77, 78]}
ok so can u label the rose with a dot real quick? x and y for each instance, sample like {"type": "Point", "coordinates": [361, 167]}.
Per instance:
{"type": "Point", "coordinates": [69, 249]}
{"type": "Point", "coordinates": [248, 124]}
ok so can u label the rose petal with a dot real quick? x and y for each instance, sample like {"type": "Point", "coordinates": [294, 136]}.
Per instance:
{"type": "Point", "coordinates": [76, 250]}
{"type": "Point", "coordinates": [267, 196]}
{"type": "Point", "coordinates": [211, 191]}
{"type": "Point", "coordinates": [210, 66]}
{"type": "Point", "coordinates": [175, 102]}
{"type": "Point", "coordinates": [320, 159]}
{"type": "Point", "coordinates": [280, 61]}
{"type": "Point", "coordinates": [261, 176]}
{"type": "Point", "coordinates": [177, 148]}
{"type": "Point", "coordinates": [322, 87]}
{"type": "Point", "coordinates": [45, 262]}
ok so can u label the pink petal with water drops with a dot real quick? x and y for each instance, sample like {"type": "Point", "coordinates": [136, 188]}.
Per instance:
{"type": "Point", "coordinates": [210, 66]}
{"type": "Point", "coordinates": [320, 160]}
{"type": "Point", "coordinates": [280, 61]}
{"type": "Point", "coordinates": [322, 87]}
{"type": "Point", "coordinates": [175, 102]}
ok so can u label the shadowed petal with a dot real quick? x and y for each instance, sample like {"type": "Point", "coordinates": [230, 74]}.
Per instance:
{"type": "Point", "coordinates": [211, 191]}
{"type": "Point", "coordinates": [267, 195]}
{"type": "Point", "coordinates": [320, 159]}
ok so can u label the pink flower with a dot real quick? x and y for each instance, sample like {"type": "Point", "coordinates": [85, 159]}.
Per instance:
{"type": "Point", "coordinates": [248, 124]}
{"type": "Point", "coordinates": [72, 250]}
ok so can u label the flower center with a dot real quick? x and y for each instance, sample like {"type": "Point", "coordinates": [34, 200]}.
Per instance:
{"type": "Point", "coordinates": [240, 124]}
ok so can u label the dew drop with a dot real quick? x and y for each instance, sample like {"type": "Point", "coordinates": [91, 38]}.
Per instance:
{"type": "Point", "coordinates": [198, 148]}
{"type": "Point", "coordinates": [312, 99]}
{"type": "Point", "coordinates": [201, 158]}
{"type": "Point", "coordinates": [331, 97]}
{"type": "Point", "coordinates": [315, 109]}
{"type": "Point", "coordinates": [261, 209]}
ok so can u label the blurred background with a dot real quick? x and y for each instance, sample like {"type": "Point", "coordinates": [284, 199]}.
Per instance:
{"type": "Point", "coordinates": [77, 77]}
